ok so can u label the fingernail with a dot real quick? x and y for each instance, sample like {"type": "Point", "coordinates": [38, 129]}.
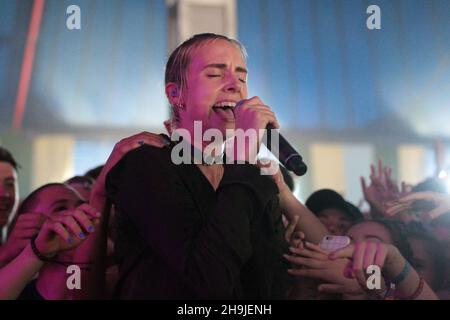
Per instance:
{"type": "Point", "coordinates": [81, 235]}
{"type": "Point", "coordinates": [90, 228]}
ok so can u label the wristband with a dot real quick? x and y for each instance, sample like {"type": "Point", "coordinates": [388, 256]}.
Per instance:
{"type": "Point", "coordinates": [37, 252]}
{"type": "Point", "coordinates": [402, 275]}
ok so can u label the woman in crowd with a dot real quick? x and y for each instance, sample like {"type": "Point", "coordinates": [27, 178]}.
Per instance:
{"type": "Point", "coordinates": [428, 258]}
{"type": "Point", "coordinates": [62, 231]}
{"type": "Point", "coordinates": [333, 210]}
{"type": "Point", "coordinates": [59, 203]}
{"type": "Point", "coordinates": [314, 262]}
{"type": "Point", "coordinates": [82, 184]}
{"type": "Point", "coordinates": [409, 285]}
{"type": "Point", "coordinates": [56, 221]}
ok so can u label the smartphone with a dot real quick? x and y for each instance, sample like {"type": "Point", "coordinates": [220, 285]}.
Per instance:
{"type": "Point", "coordinates": [333, 243]}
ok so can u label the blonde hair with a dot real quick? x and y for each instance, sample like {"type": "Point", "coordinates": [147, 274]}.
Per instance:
{"type": "Point", "coordinates": [180, 58]}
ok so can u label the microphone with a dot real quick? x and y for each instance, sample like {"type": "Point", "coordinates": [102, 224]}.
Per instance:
{"type": "Point", "coordinates": [287, 155]}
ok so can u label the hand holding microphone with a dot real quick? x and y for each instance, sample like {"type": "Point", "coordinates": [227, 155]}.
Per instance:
{"type": "Point", "coordinates": [252, 113]}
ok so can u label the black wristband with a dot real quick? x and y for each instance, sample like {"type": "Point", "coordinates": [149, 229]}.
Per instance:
{"type": "Point", "coordinates": [37, 252]}
{"type": "Point", "coordinates": [53, 260]}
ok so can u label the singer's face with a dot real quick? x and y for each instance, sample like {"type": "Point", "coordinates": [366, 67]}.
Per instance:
{"type": "Point", "coordinates": [216, 81]}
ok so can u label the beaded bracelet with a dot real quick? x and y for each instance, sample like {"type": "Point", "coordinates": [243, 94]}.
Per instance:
{"type": "Point", "coordinates": [416, 293]}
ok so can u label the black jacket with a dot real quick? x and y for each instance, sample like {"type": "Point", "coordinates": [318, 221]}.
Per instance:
{"type": "Point", "coordinates": [178, 238]}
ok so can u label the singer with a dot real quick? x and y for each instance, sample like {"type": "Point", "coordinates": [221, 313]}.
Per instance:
{"type": "Point", "coordinates": [200, 231]}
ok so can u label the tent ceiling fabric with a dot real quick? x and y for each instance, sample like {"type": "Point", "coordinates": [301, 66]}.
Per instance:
{"type": "Point", "coordinates": [314, 62]}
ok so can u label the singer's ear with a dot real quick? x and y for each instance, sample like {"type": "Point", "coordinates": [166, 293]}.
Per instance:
{"type": "Point", "coordinates": [172, 93]}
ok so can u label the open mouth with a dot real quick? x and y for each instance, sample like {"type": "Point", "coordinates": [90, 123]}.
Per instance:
{"type": "Point", "coordinates": [225, 105]}
{"type": "Point", "coordinates": [225, 108]}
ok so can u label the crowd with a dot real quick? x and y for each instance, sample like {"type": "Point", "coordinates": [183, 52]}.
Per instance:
{"type": "Point", "coordinates": [144, 227]}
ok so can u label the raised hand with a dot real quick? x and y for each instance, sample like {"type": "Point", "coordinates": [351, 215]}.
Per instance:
{"type": "Point", "coordinates": [392, 264]}
{"type": "Point", "coordinates": [26, 226]}
{"type": "Point", "coordinates": [363, 255]}
{"type": "Point", "coordinates": [66, 230]}
{"type": "Point", "coordinates": [98, 194]}
{"type": "Point", "coordinates": [252, 114]}
{"type": "Point", "coordinates": [313, 262]}
{"type": "Point", "coordinates": [381, 190]}
{"type": "Point", "coordinates": [431, 204]}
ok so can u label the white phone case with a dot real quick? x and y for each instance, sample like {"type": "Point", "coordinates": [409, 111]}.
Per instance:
{"type": "Point", "coordinates": [333, 243]}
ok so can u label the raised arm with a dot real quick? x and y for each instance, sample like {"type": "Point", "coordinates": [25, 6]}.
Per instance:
{"type": "Point", "coordinates": [307, 222]}
{"type": "Point", "coordinates": [57, 234]}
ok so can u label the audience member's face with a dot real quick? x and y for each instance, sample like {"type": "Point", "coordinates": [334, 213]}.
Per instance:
{"type": "Point", "coordinates": [423, 260]}
{"type": "Point", "coordinates": [55, 199]}
{"type": "Point", "coordinates": [369, 231]}
{"type": "Point", "coordinates": [334, 220]}
{"type": "Point", "coordinates": [216, 74]}
{"type": "Point", "coordinates": [8, 191]}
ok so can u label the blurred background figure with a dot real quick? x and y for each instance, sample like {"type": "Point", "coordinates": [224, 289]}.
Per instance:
{"type": "Point", "coordinates": [9, 192]}
{"type": "Point", "coordinates": [82, 184]}
{"type": "Point", "coordinates": [333, 211]}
